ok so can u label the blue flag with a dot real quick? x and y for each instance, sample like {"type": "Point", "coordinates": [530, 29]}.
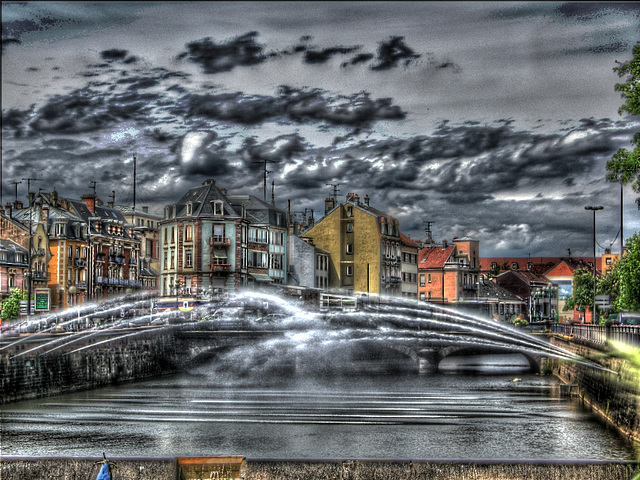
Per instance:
{"type": "Point", "coordinates": [105, 472]}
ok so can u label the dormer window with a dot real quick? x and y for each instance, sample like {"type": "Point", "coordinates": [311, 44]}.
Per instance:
{"type": "Point", "coordinates": [189, 208]}
{"type": "Point", "coordinates": [218, 208]}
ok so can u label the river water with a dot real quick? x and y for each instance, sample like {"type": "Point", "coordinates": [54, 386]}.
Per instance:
{"type": "Point", "coordinates": [371, 415]}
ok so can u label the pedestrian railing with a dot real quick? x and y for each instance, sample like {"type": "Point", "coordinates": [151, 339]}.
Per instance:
{"type": "Point", "coordinates": [600, 334]}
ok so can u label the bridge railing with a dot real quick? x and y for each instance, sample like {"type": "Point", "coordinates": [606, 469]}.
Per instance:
{"type": "Point", "coordinates": [600, 334]}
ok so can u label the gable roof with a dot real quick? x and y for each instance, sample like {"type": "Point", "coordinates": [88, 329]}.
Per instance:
{"type": "Point", "coordinates": [407, 241]}
{"type": "Point", "coordinates": [539, 265]}
{"type": "Point", "coordinates": [434, 257]}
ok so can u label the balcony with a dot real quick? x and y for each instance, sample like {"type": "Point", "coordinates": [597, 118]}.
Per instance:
{"type": "Point", "coordinates": [220, 268]}
{"type": "Point", "coordinates": [395, 279]}
{"type": "Point", "coordinates": [80, 262]}
{"type": "Point", "coordinates": [219, 241]}
{"type": "Point", "coordinates": [82, 284]}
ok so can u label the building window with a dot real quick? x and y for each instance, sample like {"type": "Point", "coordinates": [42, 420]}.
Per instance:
{"type": "Point", "coordinates": [514, 266]}
{"type": "Point", "coordinates": [350, 227]}
{"type": "Point", "coordinates": [349, 270]}
{"type": "Point", "coordinates": [429, 294]}
{"type": "Point", "coordinates": [188, 233]}
{"type": "Point", "coordinates": [218, 207]}
{"type": "Point", "coordinates": [608, 260]}
{"type": "Point", "coordinates": [422, 284]}
{"type": "Point", "coordinates": [349, 211]}
{"type": "Point", "coordinates": [188, 257]}
{"type": "Point", "coordinates": [349, 248]}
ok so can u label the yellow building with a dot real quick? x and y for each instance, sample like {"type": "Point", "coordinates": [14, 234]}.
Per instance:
{"type": "Point", "coordinates": [364, 245]}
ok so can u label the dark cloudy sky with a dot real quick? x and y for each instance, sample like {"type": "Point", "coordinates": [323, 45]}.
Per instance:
{"type": "Point", "coordinates": [491, 120]}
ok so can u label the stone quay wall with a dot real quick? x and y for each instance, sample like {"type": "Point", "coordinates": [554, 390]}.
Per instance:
{"type": "Point", "coordinates": [615, 396]}
{"type": "Point", "coordinates": [28, 372]}
{"type": "Point", "coordinates": [73, 468]}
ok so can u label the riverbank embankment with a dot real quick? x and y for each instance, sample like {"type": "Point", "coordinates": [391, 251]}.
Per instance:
{"type": "Point", "coordinates": [612, 392]}
{"type": "Point", "coordinates": [28, 468]}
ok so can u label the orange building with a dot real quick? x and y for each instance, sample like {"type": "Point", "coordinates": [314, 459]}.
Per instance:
{"type": "Point", "coordinates": [449, 273]}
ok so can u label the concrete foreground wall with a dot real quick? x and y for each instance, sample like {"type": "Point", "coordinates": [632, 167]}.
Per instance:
{"type": "Point", "coordinates": [72, 468]}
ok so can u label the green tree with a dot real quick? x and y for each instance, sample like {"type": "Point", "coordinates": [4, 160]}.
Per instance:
{"type": "Point", "coordinates": [609, 285]}
{"type": "Point", "coordinates": [11, 305]}
{"type": "Point", "coordinates": [627, 272]}
{"type": "Point", "coordinates": [624, 166]}
{"type": "Point", "coordinates": [582, 291]}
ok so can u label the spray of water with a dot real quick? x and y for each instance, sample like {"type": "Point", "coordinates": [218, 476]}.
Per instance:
{"type": "Point", "coordinates": [304, 336]}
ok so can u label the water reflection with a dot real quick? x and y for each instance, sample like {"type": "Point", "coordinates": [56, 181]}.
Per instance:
{"type": "Point", "coordinates": [341, 416]}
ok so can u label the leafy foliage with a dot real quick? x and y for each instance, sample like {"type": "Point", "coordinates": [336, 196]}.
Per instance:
{"type": "Point", "coordinates": [582, 295]}
{"type": "Point", "coordinates": [11, 305]}
{"type": "Point", "coordinates": [624, 166]}
{"type": "Point", "coordinates": [627, 272]}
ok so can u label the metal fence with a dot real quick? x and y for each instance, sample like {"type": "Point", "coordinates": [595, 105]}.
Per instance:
{"type": "Point", "coordinates": [601, 334]}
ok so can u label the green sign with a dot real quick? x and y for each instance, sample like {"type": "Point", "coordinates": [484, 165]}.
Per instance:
{"type": "Point", "coordinates": [42, 299]}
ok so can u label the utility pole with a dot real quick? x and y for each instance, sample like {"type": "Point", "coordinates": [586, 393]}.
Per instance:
{"type": "Point", "coordinates": [265, 172]}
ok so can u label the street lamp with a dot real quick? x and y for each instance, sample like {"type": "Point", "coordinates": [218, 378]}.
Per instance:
{"type": "Point", "coordinates": [594, 209]}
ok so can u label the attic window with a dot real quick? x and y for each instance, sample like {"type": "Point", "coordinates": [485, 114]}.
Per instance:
{"type": "Point", "coordinates": [189, 208]}
{"type": "Point", "coordinates": [514, 266]}
{"type": "Point", "coordinates": [218, 207]}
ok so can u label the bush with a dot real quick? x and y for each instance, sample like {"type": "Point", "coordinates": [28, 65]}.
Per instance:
{"type": "Point", "coordinates": [520, 322]}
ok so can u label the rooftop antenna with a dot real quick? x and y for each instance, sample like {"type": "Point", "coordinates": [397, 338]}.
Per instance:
{"type": "Point", "coordinates": [335, 189]}
{"type": "Point", "coordinates": [265, 175]}
{"type": "Point", "coordinates": [29, 180]}
{"type": "Point", "coordinates": [16, 184]}
{"type": "Point", "coordinates": [113, 197]}
{"type": "Point", "coordinates": [273, 197]}
{"type": "Point", "coordinates": [427, 231]}
{"type": "Point", "coordinates": [135, 161]}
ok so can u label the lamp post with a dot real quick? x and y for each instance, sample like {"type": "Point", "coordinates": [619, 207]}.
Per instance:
{"type": "Point", "coordinates": [593, 313]}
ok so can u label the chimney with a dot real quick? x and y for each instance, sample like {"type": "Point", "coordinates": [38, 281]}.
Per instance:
{"type": "Point", "coordinates": [356, 199]}
{"type": "Point", "coordinates": [209, 181]}
{"type": "Point", "coordinates": [31, 197]}
{"type": "Point", "coordinates": [17, 204]}
{"type": "Point", "coordinates": [366, 200]}
{"type": "Point", "coordinates": [329, 203]}
{"type": "Point", "coordinates": [7, 207]}
{"type": "Point", "coordinates": [90, 200]}
{"type": "Point", "coordinates": [444, 243]}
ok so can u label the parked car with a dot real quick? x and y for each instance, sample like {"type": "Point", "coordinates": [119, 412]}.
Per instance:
{"type": "Point", "coordinates": [629, 318]}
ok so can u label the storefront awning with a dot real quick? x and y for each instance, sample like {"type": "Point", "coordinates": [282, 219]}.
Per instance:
{"type": "Point", "coordinates": [259, 277]}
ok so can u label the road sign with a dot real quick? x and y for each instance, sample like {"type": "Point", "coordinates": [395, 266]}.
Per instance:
{"type": "Point", "coordinates": [602, 300]}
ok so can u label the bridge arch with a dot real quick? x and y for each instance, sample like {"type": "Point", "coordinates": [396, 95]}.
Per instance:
{"type": "Point", "coordinates": [534, 361]}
